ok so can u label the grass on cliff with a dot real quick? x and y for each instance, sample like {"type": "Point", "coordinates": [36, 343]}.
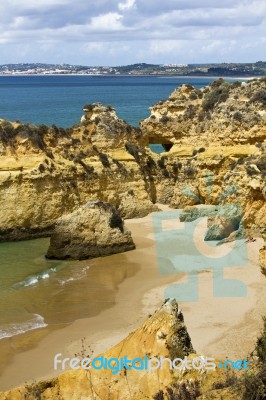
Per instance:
{"type": "Point", "coordinates": [219, 93]}
{"type": "Point", "coordinates": [35, 133]}
{"type": "Point", "coordinates": [187, 390]}
{"type": "Point", "coordinates": [260, 97]}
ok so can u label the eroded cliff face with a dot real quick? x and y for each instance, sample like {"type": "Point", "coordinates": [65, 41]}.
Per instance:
{"type": "Point", "coordinates": [48, 172]}
{"type": "Point", "coordinates": [216, 154]}
{"type": "Point", "coordinates": [220, 114]}
{"type": "Point", "coordinates": [216, 142]}
{"type": "Point", "coordinates": [163, 334]}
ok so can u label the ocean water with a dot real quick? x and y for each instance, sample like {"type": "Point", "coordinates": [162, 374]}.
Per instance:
{"type": "Point", "coordinates": [59, 99]}
{"type": "Point", "coordinates": [35, 292]}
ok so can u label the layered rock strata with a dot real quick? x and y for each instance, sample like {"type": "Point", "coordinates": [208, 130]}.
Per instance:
{"type": "Point", "coordinates": [216, 147]}
{"type": "Point", "coordinates": [46, 172]}
{"type": "Point", "coordinates": [215, 154]}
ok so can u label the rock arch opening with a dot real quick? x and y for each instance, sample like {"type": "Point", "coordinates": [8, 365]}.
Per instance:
{"type": "Point", "coordinates": [159, 146]}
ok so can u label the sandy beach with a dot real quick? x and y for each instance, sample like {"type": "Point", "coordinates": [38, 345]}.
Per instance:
{"type": "Point", "coordinates": [219, 326]}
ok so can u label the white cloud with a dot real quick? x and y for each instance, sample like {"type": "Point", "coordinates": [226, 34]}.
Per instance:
{"type": "Point", "coordinates": [126, 31]}
{"type": "Point", "coordinates": [107, 22]}
{"type": "Point", "coordinates": [129, 4]}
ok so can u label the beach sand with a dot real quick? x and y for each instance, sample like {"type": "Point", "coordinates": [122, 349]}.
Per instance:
{"type": "Point", "coordinates": [219, 326]}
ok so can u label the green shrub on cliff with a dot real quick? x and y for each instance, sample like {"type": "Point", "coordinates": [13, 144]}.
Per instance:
{"type": "Point", "coordinates": [255, 383]}
{"type": "Point", "coordinates": [7, 132]}
{"type": "Point", "coordinates": [218, 94]}
{"type": "Point", "coordinates": [186, 390]}
{"type": "Point", "coordinates": [34, 133]}
{"type": "Point", "coordinates": [135, 151]}
{"type": "Point", "coordinates": [260, 97]}
{"type": "Point", "coordinates": [104, 159]}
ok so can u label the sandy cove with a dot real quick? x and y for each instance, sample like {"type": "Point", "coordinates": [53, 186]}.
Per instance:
{"type": "Point", "coordinates": [219, 327]}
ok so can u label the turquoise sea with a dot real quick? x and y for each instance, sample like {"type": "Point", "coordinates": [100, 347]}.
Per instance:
{"type": "Point", "coordinates": [35, 292]}
{"type": "Point", "coordinates": [59, 99]}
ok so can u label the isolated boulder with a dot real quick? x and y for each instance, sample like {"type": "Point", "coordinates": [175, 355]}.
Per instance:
{"type": "Point", "coordinates": [224, 223]}
{"type": "Point", "coordinates": [93, 230]}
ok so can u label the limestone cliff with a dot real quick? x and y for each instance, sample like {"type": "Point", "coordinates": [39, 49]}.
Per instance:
{"type": "Point", "coordinates": [219, 114]}
{"type": "Point", "coordinates": [215, 153]}
{"type": "Point", "coordinates": [163, 334]}
{"type": "Point", "coordinates": [215, 139]}
{"type": "Point", "coordinates": [46, 172]}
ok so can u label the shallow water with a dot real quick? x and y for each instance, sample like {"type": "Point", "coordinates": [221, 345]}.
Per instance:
{"type": "Point", "coordinates": [36, 292]}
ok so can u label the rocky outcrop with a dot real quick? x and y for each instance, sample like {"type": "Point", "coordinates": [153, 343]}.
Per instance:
{"type": "Point", "coordinates": [215, 154]}
{"type": "Point", "coordinates": [224, 223]}
{"type": "Point", "coordinates": [46, 172]}
{"type": "Point", "coordinates": [220, 113]}
{"type": "Point", "coordinates": [106, 130]}
{"type": "Point", "coordinates": [93, 230]}
{"type": "Point", "coordinates": [223, 220]}
{"type": "Point", "coordinates": [190, 214]}
{"type": "Point", "coordinates": [216, 147]}
{"type": "Point", "coordinates": [164, 335]}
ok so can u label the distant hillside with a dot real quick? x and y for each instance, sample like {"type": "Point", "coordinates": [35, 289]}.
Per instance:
{"type": "Point", "coordinates": [223, 69]}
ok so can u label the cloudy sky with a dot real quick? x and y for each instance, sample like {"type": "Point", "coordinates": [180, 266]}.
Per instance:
{"type": "Point", "coordinates": [118, 32]}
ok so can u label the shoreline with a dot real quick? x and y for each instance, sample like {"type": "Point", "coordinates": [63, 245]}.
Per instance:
{"type": "Point", "coordinates": [212, 323]}
{"type": "Point", "coordinates": [145, 75]}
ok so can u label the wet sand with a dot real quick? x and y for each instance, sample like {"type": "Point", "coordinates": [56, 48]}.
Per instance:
{"type": "Point", "coordinates": [218, 326]}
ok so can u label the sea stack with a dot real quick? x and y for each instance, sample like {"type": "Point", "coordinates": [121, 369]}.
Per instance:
{"type": "Point", "coordinates": [93, 230]}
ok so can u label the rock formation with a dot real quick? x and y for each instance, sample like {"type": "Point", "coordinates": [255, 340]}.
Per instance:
{"type": "Point", "coordinates": [162, 334]}
{"type": "Point", "coordinates": [106, 130]}
{"type": "Point", "coordinates": [219, 114]}
{"type": "Point", "coordinates": [216, 147]}
{"type": "Point", "coordinates": [48, 172]}
{"type": "Point", "coordinates": [93, 230]}
{"type": "Point", "coordinates": [215, 153]}
{"type": "Point", "coordinates": [223, 220]}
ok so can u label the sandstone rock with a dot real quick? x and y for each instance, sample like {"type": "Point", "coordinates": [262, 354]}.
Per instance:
{"type": "Point", "coordinates": [46, 172]}
{"type": "Point", "coordinates": [107, 131]}
{"type": "Point", "coordinates": [224, 223]}
{"type": "Point", "coordinates": [93, 230]}
{"type": "Point", "coordinates": [235, 235]}
{"type": "Point", "coordinates": [131, 206]}
{"type": "Point", "coordinates": [263, 259]}
{"type": "Point", "coordinates": [163, 334]}
{"type": "Point", "coordinates": [190, 214]}
{"type": "Point", "coordinates": [200, 117]}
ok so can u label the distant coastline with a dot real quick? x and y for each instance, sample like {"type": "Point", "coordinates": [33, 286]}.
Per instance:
{"type": "Point", "coordinates": [248, 77]}
{"type": "Point", "coordinates": [257, 69]}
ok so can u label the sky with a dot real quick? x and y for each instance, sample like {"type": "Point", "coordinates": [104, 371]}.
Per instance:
{"type": "Point", "coordinates": [120, 32]}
